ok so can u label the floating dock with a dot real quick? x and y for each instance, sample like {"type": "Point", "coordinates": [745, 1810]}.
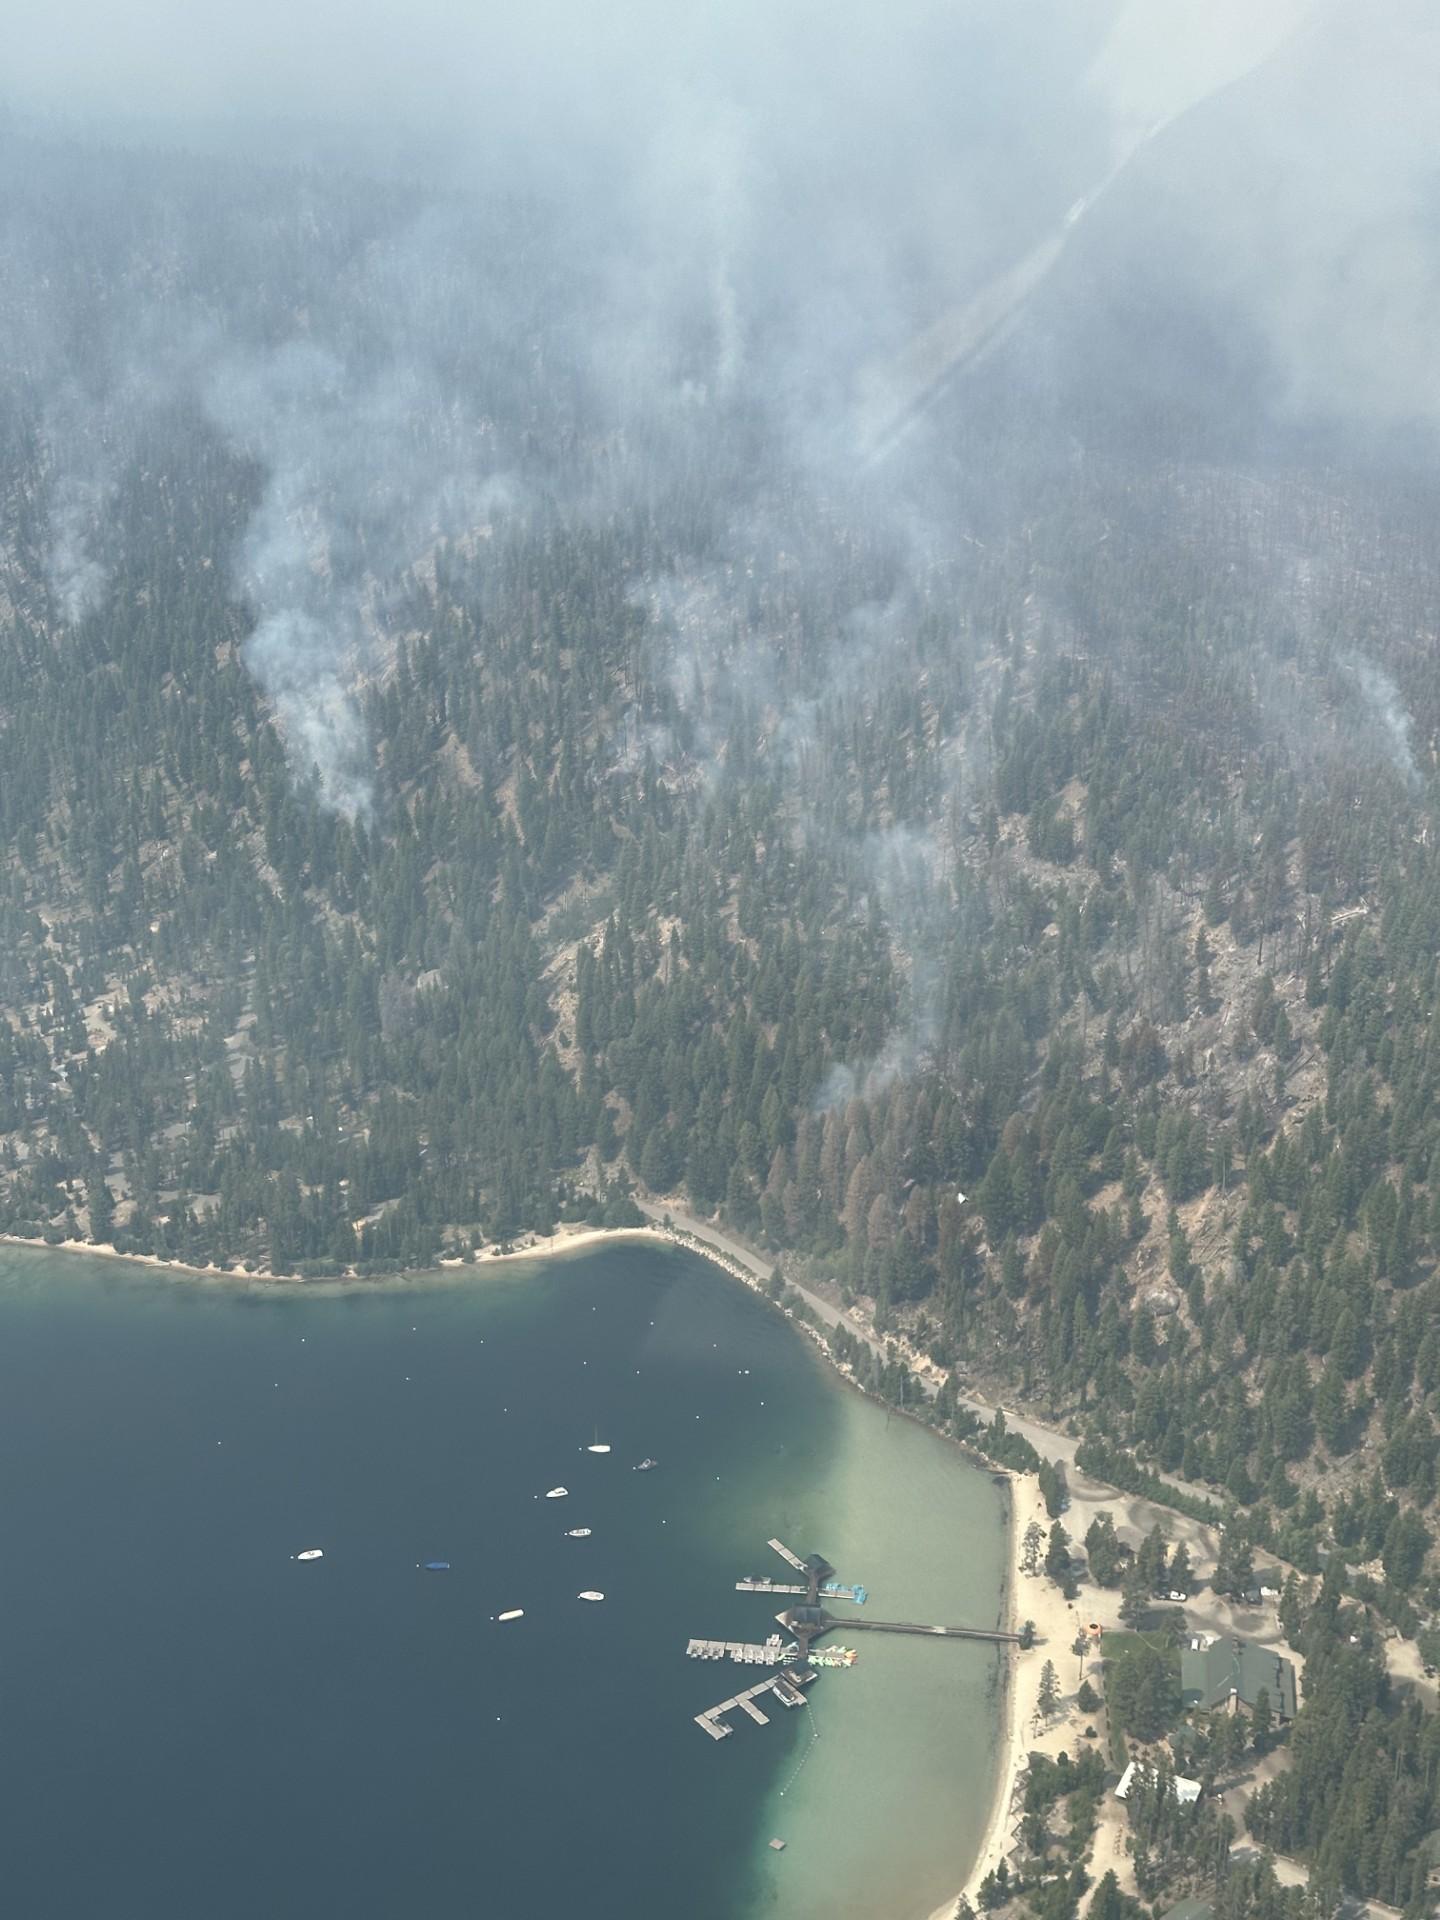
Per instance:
{"type": "Point", "coordinates": [748, 1653]}
{"type": "Point", "coordinates": [783, 1687]}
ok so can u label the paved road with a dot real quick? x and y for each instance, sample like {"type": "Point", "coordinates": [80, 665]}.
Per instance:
{"type": "Point", "coordinates": [1048, 1441]}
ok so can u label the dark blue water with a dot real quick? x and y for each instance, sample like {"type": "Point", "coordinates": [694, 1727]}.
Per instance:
{"type": "Point", "coordinates": [191, 1723]}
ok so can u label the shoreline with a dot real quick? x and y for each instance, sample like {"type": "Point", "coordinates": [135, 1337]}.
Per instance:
{"type": "Point", "coordinates": [1010, 1747]}
{"type": "Point", "coordinates": [1018, 1665]}
{"type": "Point", "coordinates": [740, 1264]}
{"type": "Point", "coordinates": [544, 1247]}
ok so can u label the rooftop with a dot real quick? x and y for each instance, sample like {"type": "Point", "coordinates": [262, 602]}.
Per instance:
{"type": "Point", "coordinates": [1232, 1673]}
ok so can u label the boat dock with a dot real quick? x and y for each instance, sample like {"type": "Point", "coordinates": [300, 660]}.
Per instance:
{"type": "Point", "coordinates": [832, 1590]}
{"type": "Point", "coordinates": [747, 1652]}
{"type": "Point", "coordinates": [783, 1687]}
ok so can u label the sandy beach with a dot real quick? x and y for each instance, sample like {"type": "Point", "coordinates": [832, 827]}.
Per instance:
{"type": "Point", "coordinates": [563, 1240]}
{"type": "Point", "coordinates": [1036, 1598]}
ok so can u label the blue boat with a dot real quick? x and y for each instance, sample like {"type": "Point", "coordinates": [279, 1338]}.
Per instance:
{"type": "Point", "coordinates": [437, 1566]}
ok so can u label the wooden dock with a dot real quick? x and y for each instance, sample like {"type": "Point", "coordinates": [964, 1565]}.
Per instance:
{"type": "Point", "coordinates": [784, 1687]}
{"type": "Point", "coordinates": [792, 1559]}
{"type": "Point", "coordinates": [996, 1636]}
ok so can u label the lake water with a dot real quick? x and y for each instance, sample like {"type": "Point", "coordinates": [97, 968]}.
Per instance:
{"type": "Point", "coordinates": [192, 1722]}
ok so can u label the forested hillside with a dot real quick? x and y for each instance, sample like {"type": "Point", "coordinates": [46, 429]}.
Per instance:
{"type": "Point", "coordinates": [439, 792]}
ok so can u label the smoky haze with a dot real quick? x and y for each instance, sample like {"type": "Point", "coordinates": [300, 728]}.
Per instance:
{"type": "Point", "coordinates": [763, 244]}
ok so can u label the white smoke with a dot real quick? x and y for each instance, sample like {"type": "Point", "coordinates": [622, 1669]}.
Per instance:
{"type": "Point", "coordinates": [362, 477]}
{"type": "Point", "coordinates": [1387, 709]}
{"type": "Point", "coordinates": [77, 579]}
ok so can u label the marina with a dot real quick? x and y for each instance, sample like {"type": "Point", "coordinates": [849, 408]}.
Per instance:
{"type": "Point", "coordinates": [805, 1624]}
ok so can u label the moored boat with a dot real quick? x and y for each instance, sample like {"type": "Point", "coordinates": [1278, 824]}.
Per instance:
{"type": "Point", "coordinates": [577, 1533]}
{"type": "Point", "coordinates": [437, 1566]}
{"type": "Point", "coordinates": [590, 1594]}
{"type": "Point", "coordinates": [644, 1466]}
{"type": "Point", "coordinates": [310, 1553]}
{"type": "Point", "coordinates": [558, 1493]}
{"type": "Point", "coordinates": [515, 1613]}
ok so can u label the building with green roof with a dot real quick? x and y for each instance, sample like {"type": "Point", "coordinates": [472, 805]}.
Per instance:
{"type": "Point", "coordinates": [1229, 1676]}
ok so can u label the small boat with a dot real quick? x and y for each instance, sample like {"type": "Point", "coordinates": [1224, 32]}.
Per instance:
{"type": "Point", "coordinates": [558, 1493]}
{"type": "Point", "coordinates": [515, 1613]}
{"type": "Point", "coordinates": [645, 1465]}
{"type": "Point", "coordinates": [310, 1553]}
{"type": "Point", "coordinates": [437, 1566]}
{"type": "Point", "coordinates": [577, 1533]}
{"type": "Point", "coordinates": [600, 1446]}
{"type": "Point", "coordinates": [590, 1594]}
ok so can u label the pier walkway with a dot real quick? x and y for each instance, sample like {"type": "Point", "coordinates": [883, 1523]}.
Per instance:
{"type": "Point", "coordinates": [996, 1636]}
{"type": "Point", "coordinates": [787, 1554]}
{"type": "Point", "coordinates": [831, 1590]}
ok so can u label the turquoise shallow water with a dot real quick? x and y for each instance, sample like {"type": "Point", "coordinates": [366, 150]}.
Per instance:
{"type": "Point", "coordinates": [196, 1723]}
